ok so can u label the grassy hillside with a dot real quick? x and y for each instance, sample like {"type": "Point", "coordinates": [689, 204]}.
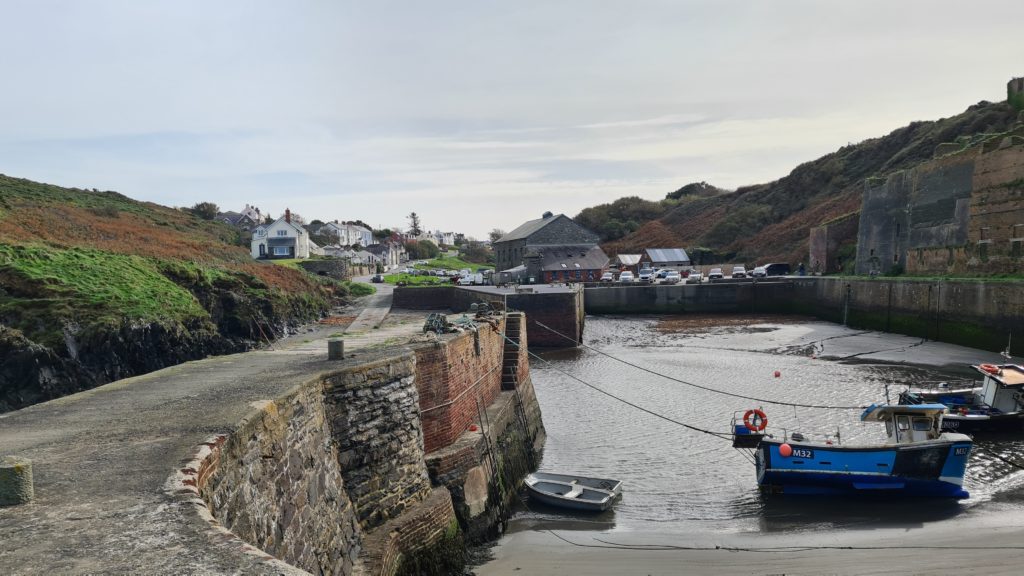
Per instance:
{"type": "Point", "coordinates": [117, 287]}
{"type": "Point", "coordinates": [771, 222]}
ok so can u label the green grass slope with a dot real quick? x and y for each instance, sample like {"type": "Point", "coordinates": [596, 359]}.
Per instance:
{"type": "Point", "coordinates": [95, 286]}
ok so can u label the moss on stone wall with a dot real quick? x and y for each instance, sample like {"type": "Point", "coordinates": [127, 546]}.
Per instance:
{"type": "Point", "coordinates": [447, 556]}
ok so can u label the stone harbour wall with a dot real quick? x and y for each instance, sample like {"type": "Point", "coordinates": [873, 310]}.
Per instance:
{"type": "Point", "coordinates": [335, 477]}
{"type": "Point", "coordinates": [373, 412]}
{"type": "Point", "coordinates": [276, 484]}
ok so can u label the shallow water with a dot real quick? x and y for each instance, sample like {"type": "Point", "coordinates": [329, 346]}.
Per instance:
{"type": "Point", "coordinates": [679, 480]}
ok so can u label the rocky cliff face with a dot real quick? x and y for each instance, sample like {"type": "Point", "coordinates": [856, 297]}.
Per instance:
{"type": "Point", "coordinates": [31, 372]}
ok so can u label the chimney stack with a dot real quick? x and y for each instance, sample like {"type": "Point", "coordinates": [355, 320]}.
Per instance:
{"type": "Point", "coordinates": [287, 215]}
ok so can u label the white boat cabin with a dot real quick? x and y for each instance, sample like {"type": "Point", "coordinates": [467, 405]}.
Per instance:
{"type": "Point", "coordinates": [1002, 387]}
{"type": "Point", "coordinates": [907, 424]}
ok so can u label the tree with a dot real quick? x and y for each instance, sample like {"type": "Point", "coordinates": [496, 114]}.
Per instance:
{"type": "Point", "coordinates": [414, 224]}
{"type": "Point", "coordinates": [206, 210]}
{"type": "Point", "coordinates": [382, 234]}
{"type": "Point", "coordinates": [495, 234]}
{"type": "Point", "coordinates": [476, 252]}
{"type": "Point", "coordinates": [421, 250]}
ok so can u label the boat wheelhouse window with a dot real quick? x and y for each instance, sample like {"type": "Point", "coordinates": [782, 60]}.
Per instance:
{"type": "Point", "coordinates": [922, 424]}
{"type": "Point", "coordinates": [903, 423]}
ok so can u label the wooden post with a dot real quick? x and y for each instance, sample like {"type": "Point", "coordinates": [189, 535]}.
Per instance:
{"type": "Point", "coordinates": [15, 481]}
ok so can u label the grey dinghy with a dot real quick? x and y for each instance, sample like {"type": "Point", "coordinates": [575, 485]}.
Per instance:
{"type": "Point", "coordinates": [575, 492]}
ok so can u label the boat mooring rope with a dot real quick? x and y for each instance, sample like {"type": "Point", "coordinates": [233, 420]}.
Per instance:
{"type": "Point", "coordinates": [706, 388]}
{"type": "Point", "coordinates": [723, 435]}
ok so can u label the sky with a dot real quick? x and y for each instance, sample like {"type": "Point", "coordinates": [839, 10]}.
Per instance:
{"type": "Point", "coordinates": [474, 114]}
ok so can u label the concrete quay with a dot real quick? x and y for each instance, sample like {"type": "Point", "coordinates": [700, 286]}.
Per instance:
{"type": "Point", "coordinates": [102, 459]}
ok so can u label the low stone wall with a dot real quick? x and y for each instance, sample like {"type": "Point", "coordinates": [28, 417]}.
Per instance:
{"type": "Point", "coordinates": [661, 299]}
{"type": "Point", "coordinates": [335, 268]}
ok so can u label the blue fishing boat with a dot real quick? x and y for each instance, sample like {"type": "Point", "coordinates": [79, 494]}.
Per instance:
{"type": "Point", "coordinates": [917, 458]}
{"type": "Point", "coordinates": [997, 406]}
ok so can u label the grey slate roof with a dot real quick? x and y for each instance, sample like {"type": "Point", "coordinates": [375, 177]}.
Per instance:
{"type": "Point", "coordinates": [570, 257]}
{"type": "Point", "coordinates": [528, 228]}
{"type": "Point", "coordinates": [667, 255]}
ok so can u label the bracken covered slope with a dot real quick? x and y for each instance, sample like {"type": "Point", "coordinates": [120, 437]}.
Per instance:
{"type": "Point", "coordinates": [771, 222]}
{"type": "Point", "coordinates": [95, 286]}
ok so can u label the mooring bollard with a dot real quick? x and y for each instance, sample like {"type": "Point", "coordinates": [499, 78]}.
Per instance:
{"type": "Point", "coordinates": [336, 349]}
{"type": "Point", "coordinates": [15, 481]}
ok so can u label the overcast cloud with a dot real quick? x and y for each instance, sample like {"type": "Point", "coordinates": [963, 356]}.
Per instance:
{"type": "Point", "coordinates": [475, 114]}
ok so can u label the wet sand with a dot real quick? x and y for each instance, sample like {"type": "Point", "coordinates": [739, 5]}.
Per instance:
{"type": "Point", "coordinates": [792, 536]}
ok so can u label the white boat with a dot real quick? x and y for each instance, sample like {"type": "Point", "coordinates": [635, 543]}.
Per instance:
{"type": "Point", "coordinates": [575, 492]}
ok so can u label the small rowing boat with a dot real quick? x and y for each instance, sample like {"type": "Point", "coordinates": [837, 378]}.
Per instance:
{"type": "Point", "coordinates": [574, 492]}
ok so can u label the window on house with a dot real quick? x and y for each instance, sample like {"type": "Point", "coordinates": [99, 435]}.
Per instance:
{"type": "Point", "coordinates": [282, 232]}
{"type": "Point", "coordinates": [280, 251]}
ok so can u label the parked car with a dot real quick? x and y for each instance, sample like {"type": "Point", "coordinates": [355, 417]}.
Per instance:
{"type": "Point", "coordinates": [626, 276]}
{"type": "Point", "coordinates": [672, 277]}
{"type": "Point", "coordinates": [776, 269]}
{"type": "Point", "coordinates": [646, 274]}
{"type": "Point", "coordinates": [661, 274]}
{"type": "Point", "coordinates": [377, 278]}
{"type": "Point", "coordinates": [759, 272]}
{"type": "Point", "coordinates": [715, 274]}
{"type": "Point", "coordinates": [608, 277]}
{"type": "Point", "coordinates": [739, 272]}
{"type": "Point", "coordinates": [694, 277]}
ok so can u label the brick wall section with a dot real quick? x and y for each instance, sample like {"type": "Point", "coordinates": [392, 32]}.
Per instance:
{"type": "Point", "coordinates": [452, 376]}
{"type": "Point", "coordinates": [276, 484]}
{"type": "Point", "coordinates": [373, 410]}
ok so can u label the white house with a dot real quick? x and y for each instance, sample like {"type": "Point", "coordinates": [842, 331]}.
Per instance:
{"type": "Point", "coordinates": [348, 234]}
{"type": "Point", "coordinates": [281, 239]}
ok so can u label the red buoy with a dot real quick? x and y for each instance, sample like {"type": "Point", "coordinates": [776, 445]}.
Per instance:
{"type": "Point", "coordinates": [777, 373]}
{"type": "Point", "coordinates": [786, 450]}
{"type": "Point", "coordinates": [472, 427]}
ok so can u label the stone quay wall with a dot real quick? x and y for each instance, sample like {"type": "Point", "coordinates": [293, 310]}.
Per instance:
{"type": "Point", "coordinates": [373, 410]}
{"type": "Point", "coordinates": [563, 311]}
{"type": "Point", "coordinates": [976, 313]}
{"type": "Point", "coordinates": [335, 477]}
{"type": "Point", "coordinates": [276, 484]}
{"type": "Point", "coordinates": [483, 469]}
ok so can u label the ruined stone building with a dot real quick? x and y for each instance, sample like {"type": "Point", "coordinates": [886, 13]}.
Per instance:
{"type": "Point", "coordinates": [959, 213]}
